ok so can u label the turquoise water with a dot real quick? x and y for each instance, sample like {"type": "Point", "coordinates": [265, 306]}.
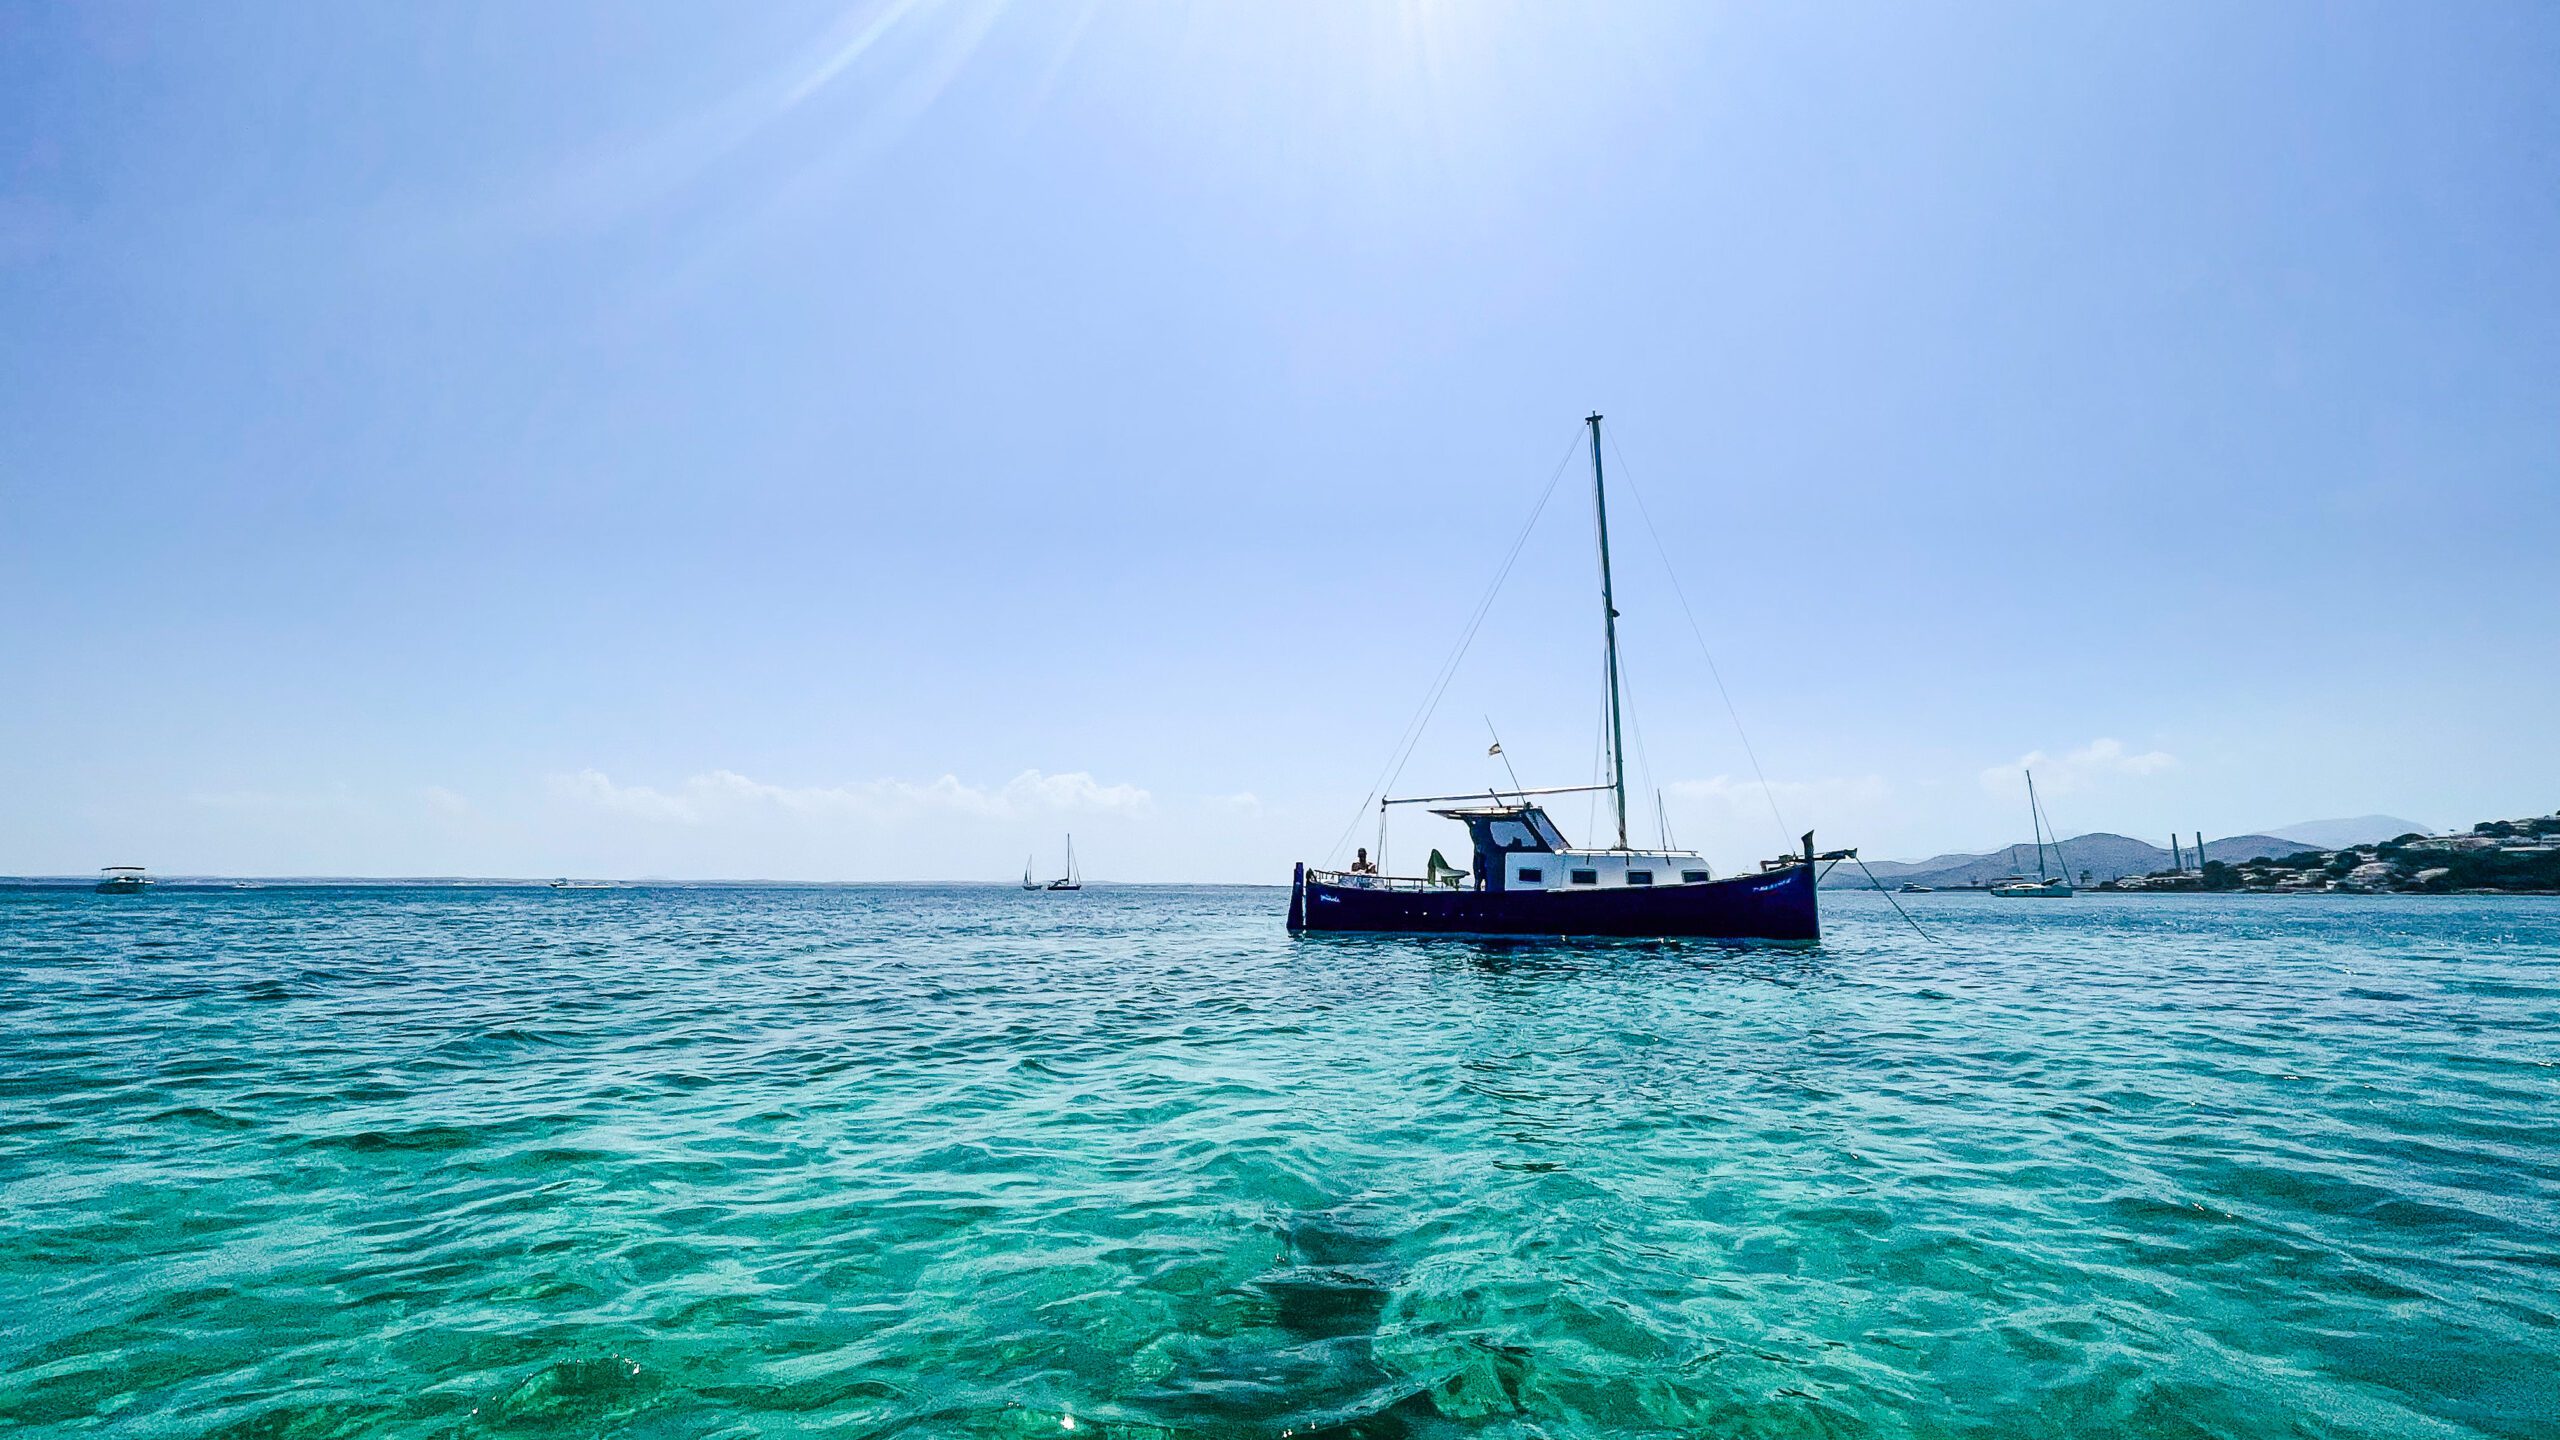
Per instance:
{"type": "Point", "coordinates": [872, 1161]}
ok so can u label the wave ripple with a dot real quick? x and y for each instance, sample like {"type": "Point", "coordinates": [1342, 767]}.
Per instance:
{"type": "Point", "coordinates": [874, 1161]}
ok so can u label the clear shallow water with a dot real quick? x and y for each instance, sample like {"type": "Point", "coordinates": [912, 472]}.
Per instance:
{"type": "Point", "coordinates": [674, 1163]}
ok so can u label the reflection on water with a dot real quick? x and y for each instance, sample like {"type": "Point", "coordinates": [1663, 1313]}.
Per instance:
{"type": "Point", "coordinates": [936, 1161]}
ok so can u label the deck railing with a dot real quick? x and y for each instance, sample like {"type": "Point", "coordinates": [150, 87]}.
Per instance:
{"type": "Point", "coordinates": [1349, 880]}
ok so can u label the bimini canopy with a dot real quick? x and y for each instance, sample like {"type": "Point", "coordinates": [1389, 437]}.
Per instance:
{"type": "Point", "coordinates": [1507, 827]}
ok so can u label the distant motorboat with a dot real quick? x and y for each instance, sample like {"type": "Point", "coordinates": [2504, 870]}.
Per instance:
{"type": "Point", "coordinates": [1911, 889]}
{"type": "Point", "coordinates": [2045, 886]}
{"type": "Point", "coordinates": [124, 880]}
{"type": "Point", "coordinates": [1072, 880]}
{"type": "Point", "coordinates": [565, 884]}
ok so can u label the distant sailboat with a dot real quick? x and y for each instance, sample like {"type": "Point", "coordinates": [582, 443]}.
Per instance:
{"type": "Point", "coordinates": [1027, 882]}
{"type": "Point", "coordinates": [2044, 886]}
{"type": "Point", "coordinates": [1069, 881]}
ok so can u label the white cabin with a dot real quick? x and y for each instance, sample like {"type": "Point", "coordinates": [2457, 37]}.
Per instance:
{"type": "Point", "coordinates": [1602, 869]}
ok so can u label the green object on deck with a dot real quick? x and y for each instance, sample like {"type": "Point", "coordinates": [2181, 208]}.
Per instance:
{"type": "Point", "coordinates": [1441, 872]}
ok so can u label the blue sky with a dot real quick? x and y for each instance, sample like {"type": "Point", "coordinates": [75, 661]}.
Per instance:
{"type": "Point", "coordinates": [869, 441]}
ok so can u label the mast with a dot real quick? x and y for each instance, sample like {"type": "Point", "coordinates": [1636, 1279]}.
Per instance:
{"type": "Point", "coordinates": [2035, 817]}
{"type": "Point", "coordinates": [1609, 627]}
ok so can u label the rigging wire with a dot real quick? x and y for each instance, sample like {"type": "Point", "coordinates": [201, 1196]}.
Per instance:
{"type": "Point", "coordinates": [1411, 735]}
{"type": "Point", "coordinates": [1732, 713]}
{"type": "Point", "coordinates": [1897, 905]}
{"type": "Point", "coordinates": [1644, 760]}
{"type": "Point", "coordinates": [1505, 755]}
{"type": "Point", "coordinates": [2044, 816]}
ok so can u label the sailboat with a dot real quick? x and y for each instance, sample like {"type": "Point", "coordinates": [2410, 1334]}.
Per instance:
{"type": "Point", "coordinates": [1027, 882]}
{"type": "Point", "coordinates": [2044, 886]}
{"type": "Point", "coordinates": [1528, 880]}
{"type": "Point", "coordinates": [1072, 880]}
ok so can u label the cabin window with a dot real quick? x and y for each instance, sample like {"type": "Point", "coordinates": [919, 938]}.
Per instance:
{"type": "Point", "coordinates": [1533, 876]}
{"type": "Point", "coordinates": [1693, 877]}
{"type": "Point", "coordinates": [1639, 877]}
{"type": "Point", "coordinates": [1586, 877]}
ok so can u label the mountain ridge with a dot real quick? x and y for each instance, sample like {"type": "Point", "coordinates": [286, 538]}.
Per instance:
{"type": "Point", "coordinates": [2350, 830]}
{"type": "Point", "coordinates": [2100, 854]}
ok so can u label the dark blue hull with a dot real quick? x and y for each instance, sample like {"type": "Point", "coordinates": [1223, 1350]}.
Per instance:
{"type": "Point", "coordinates": [1771, 905]}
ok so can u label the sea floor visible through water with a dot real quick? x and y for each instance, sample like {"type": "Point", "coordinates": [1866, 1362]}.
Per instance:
{"type": "Point", "coordinates": [926, 1161]}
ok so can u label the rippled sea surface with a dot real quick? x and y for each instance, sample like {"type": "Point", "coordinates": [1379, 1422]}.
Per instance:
{"type": "Point", "coordinates": [948, 1161]}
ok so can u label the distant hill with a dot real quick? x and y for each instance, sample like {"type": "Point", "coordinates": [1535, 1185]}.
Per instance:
{"type": "Point", "coordinates": [2103, 856]}
{"type": "Point", "coordinates": [2354, 830]}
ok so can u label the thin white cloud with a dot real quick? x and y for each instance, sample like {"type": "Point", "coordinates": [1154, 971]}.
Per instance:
{"type": "Point", "coordinates": [719, 794]}
{"type": "Point", "coordinates": [1749, 800]}
{"type": "Point", "coordinates": [596, 789]}
{"type": "Point", "coordinates": [1730, 817]}
{"type": "Point", "coordinates": [1074, 791]}
{"type": "Point", "coordinates": [444, 802]}
{"type": "Point", "coordinates": [2100, 759]}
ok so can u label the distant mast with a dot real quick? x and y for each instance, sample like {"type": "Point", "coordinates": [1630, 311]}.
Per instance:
{"type": "Point", "coordinates": [1071, 880]}
{"type": "Point", "coordinates": [1609, 627]}
{"type": "Point", "coordinates": [2035, 818]}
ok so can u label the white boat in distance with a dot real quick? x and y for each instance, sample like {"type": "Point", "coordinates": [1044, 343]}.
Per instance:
{"type": "Point", "coordinates": [124, 880]}
{"type": "Point", "coordinates": [2044, 886]}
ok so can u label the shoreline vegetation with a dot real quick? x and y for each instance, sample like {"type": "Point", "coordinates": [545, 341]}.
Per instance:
{"type": "Point", "coordinates": [2494, 857]}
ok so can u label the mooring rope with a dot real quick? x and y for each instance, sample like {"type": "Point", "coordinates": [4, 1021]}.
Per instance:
{"type": "Point", "coordinates": [1896, 904]}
